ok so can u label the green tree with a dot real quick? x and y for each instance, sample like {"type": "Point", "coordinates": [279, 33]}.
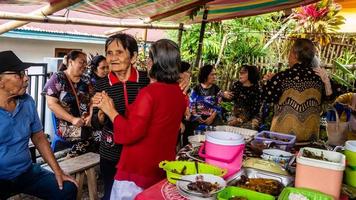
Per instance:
{"type": "Point", "coordinates": [244, 39]}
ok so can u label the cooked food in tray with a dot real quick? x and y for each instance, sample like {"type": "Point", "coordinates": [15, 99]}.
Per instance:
{"type": "Point", "coordinates": [272, 137]}
{"type": "Point", "coordinates": [263, 185]}
{"type": "Point", "coordinates": [310, 154]}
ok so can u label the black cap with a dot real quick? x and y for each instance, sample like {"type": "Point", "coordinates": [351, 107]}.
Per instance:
{"type": "Point", "coordinates": [10, 62]}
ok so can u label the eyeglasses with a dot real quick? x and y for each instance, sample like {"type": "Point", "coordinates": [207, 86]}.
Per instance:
{"type": "Point", "coordinates": [21, 74]}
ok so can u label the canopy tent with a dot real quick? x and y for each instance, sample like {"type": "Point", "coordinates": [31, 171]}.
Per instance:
{"type": "Point", "coordinates": [177, 11]}
{"type": "Point", "coordinates": [174, 11]}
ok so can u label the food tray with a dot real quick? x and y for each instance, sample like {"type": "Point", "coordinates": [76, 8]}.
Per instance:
{"type": "Point", "coordinates": [310, 194]}
{"type": "Point", "coordinates": [284, 145]}
{"type": "Point", "coordinates": [231, 191]}
{"type": "Point", "coordinates": [248, 134]}
{"type": "Point", "coordinates": [256, 173]}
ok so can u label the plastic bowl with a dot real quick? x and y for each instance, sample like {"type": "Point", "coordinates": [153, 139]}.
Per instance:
{"type": "Point", "coordinates": [258, 146]}
{"type": "Point", "coordinates": [171, 167]}
{"type": "Point", "coordinates": [350, 152]}
{"type": "Point", "coordinates": [350, 177]}
{"type": "Point", "coordinates": [230, 192]}
{"type": "Point", "coordinates": [308, 193]}
{"type": "Point", "coordinates": [278, 156]}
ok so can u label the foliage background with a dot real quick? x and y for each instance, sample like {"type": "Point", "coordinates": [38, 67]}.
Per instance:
{"type": "Point", "coordinates": [245, 39]}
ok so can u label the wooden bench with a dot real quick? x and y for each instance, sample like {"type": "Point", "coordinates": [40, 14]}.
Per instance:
{"type": "Point", "coordinates": [79, 167]}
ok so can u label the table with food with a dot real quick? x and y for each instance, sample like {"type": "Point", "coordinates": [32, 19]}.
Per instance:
{"type": "Point", "coordinates": [230, 163]}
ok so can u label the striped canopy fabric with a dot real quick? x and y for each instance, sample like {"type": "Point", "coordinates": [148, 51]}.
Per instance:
{"type": "Point", "coordinates": [178, 11]}
{"type": "Point", "coordinates": [185, 11]}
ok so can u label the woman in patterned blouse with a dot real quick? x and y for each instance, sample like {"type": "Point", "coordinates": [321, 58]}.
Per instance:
{"type": "Point", "coordinates": [298, 93]}
{"type": "Point", "coordinates": [205, 98]}
{"type": "Point", "coordinates": [62, 100]}
{"type": "Point", "coordinates": [246, 97]}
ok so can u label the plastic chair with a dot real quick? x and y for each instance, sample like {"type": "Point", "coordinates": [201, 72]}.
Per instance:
{"type": "Point", "coordinates": [56, 138]}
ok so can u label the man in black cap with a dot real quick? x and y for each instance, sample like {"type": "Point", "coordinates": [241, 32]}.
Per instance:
{"type": "Point", "coordinates": [19, 122]}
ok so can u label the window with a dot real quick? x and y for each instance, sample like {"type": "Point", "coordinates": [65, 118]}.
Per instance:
{"type": "Point", "coordinates": [61, 52]}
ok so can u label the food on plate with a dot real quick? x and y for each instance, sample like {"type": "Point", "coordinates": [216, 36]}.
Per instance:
{"type": "Point", "coordinates": [296, 196]}
{"type": "Point", "coordinates": [202, 186]}
{"type": "Point", "coordinates": [263, 185]}
{"type": "Point", "coordinates": [238, 198]}
{"type": "Point", "coordinates": [268, 136]}
{"type": "Point", "coordinates": [310, 154]}
{"type": "Point", "coordinates": [182, 172]}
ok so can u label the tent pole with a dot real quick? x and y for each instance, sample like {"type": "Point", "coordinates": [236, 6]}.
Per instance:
{"type": "Point", "coordinates": [79, 21]}
{"type": "Point", "coordinates": [180, 33]}
{"type": "Point", "coordinates": [145, 40]}
{"type": "Point", "coordinates": [47, 10]}
{"type": "Point", "coordinates": [201, 37]}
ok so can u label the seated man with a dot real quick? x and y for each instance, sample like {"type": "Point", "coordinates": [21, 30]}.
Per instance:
{"type": "Point", "coordinates": [19, 122]}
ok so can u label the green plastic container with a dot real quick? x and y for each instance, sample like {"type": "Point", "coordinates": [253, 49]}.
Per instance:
{"type": "Point", "coordinates": [310, 194]}
{"type": "Point", "coordinates": [231, 191]}
{"type": "Point", "coordinates": [350, 177]}
{"type": "Point", "coordinates": [170, 166]}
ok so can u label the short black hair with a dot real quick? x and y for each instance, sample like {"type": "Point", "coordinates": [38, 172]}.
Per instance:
{"type": "Point", "coordinates": [127, 41]}
{"type": "Point", "coordinates": [184, 66]}
{"type": "Point", "coordinates": [253, 73]}
{"type": "Point", "coordinates": [204, 73]}
{"type": "Point", "coordinates": [165, 56]}
{"type": "Point", "coordinates": [304, 50]}
{"type": "Point", "coordinates": [95, 61]}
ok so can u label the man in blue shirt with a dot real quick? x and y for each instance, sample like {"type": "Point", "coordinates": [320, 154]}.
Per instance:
{"type": "Point", "coordinates": [20, 122]}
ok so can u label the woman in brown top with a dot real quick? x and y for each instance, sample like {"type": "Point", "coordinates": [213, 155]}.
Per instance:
{"type": "Point", "coordinates": [298, 93]}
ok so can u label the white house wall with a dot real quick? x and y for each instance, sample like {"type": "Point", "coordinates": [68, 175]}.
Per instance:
{"type": "Point", "coordinates": [38, 51]}
{"type": "Point", "coordinates": [30, 50]}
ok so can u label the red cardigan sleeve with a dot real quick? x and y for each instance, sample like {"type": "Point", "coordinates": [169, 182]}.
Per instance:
{"type": "Point", "coordinates": [131, 129]}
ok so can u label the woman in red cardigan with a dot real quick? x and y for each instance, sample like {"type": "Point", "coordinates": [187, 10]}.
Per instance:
{"type": "Point", "coordinates": [149, 130]}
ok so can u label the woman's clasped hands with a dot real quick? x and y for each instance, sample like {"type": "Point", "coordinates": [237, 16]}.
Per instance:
{"type": "Point", "coordinates": [105, 104]}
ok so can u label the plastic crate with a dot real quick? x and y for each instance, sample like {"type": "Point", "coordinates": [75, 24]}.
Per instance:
{"type": "Point", "coordinates": [321, 175]}
{"type": "Point", "coordinates": [276, 139]}
{"type": "Point", "coordinates": [231, 191]}
{"type": "Point", "coordinates": [308, 193]}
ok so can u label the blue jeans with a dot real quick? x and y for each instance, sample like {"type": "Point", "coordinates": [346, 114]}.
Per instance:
{"type": "Point", "coordinates": [38, 182]}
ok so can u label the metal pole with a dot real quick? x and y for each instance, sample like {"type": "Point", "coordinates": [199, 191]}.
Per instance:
{"type": "Point", "coordinates": [201, 37]}
{"type": "Point", "coordinates": [88, 22]}
{"type": "Point", "coordinates": [144, 45]}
